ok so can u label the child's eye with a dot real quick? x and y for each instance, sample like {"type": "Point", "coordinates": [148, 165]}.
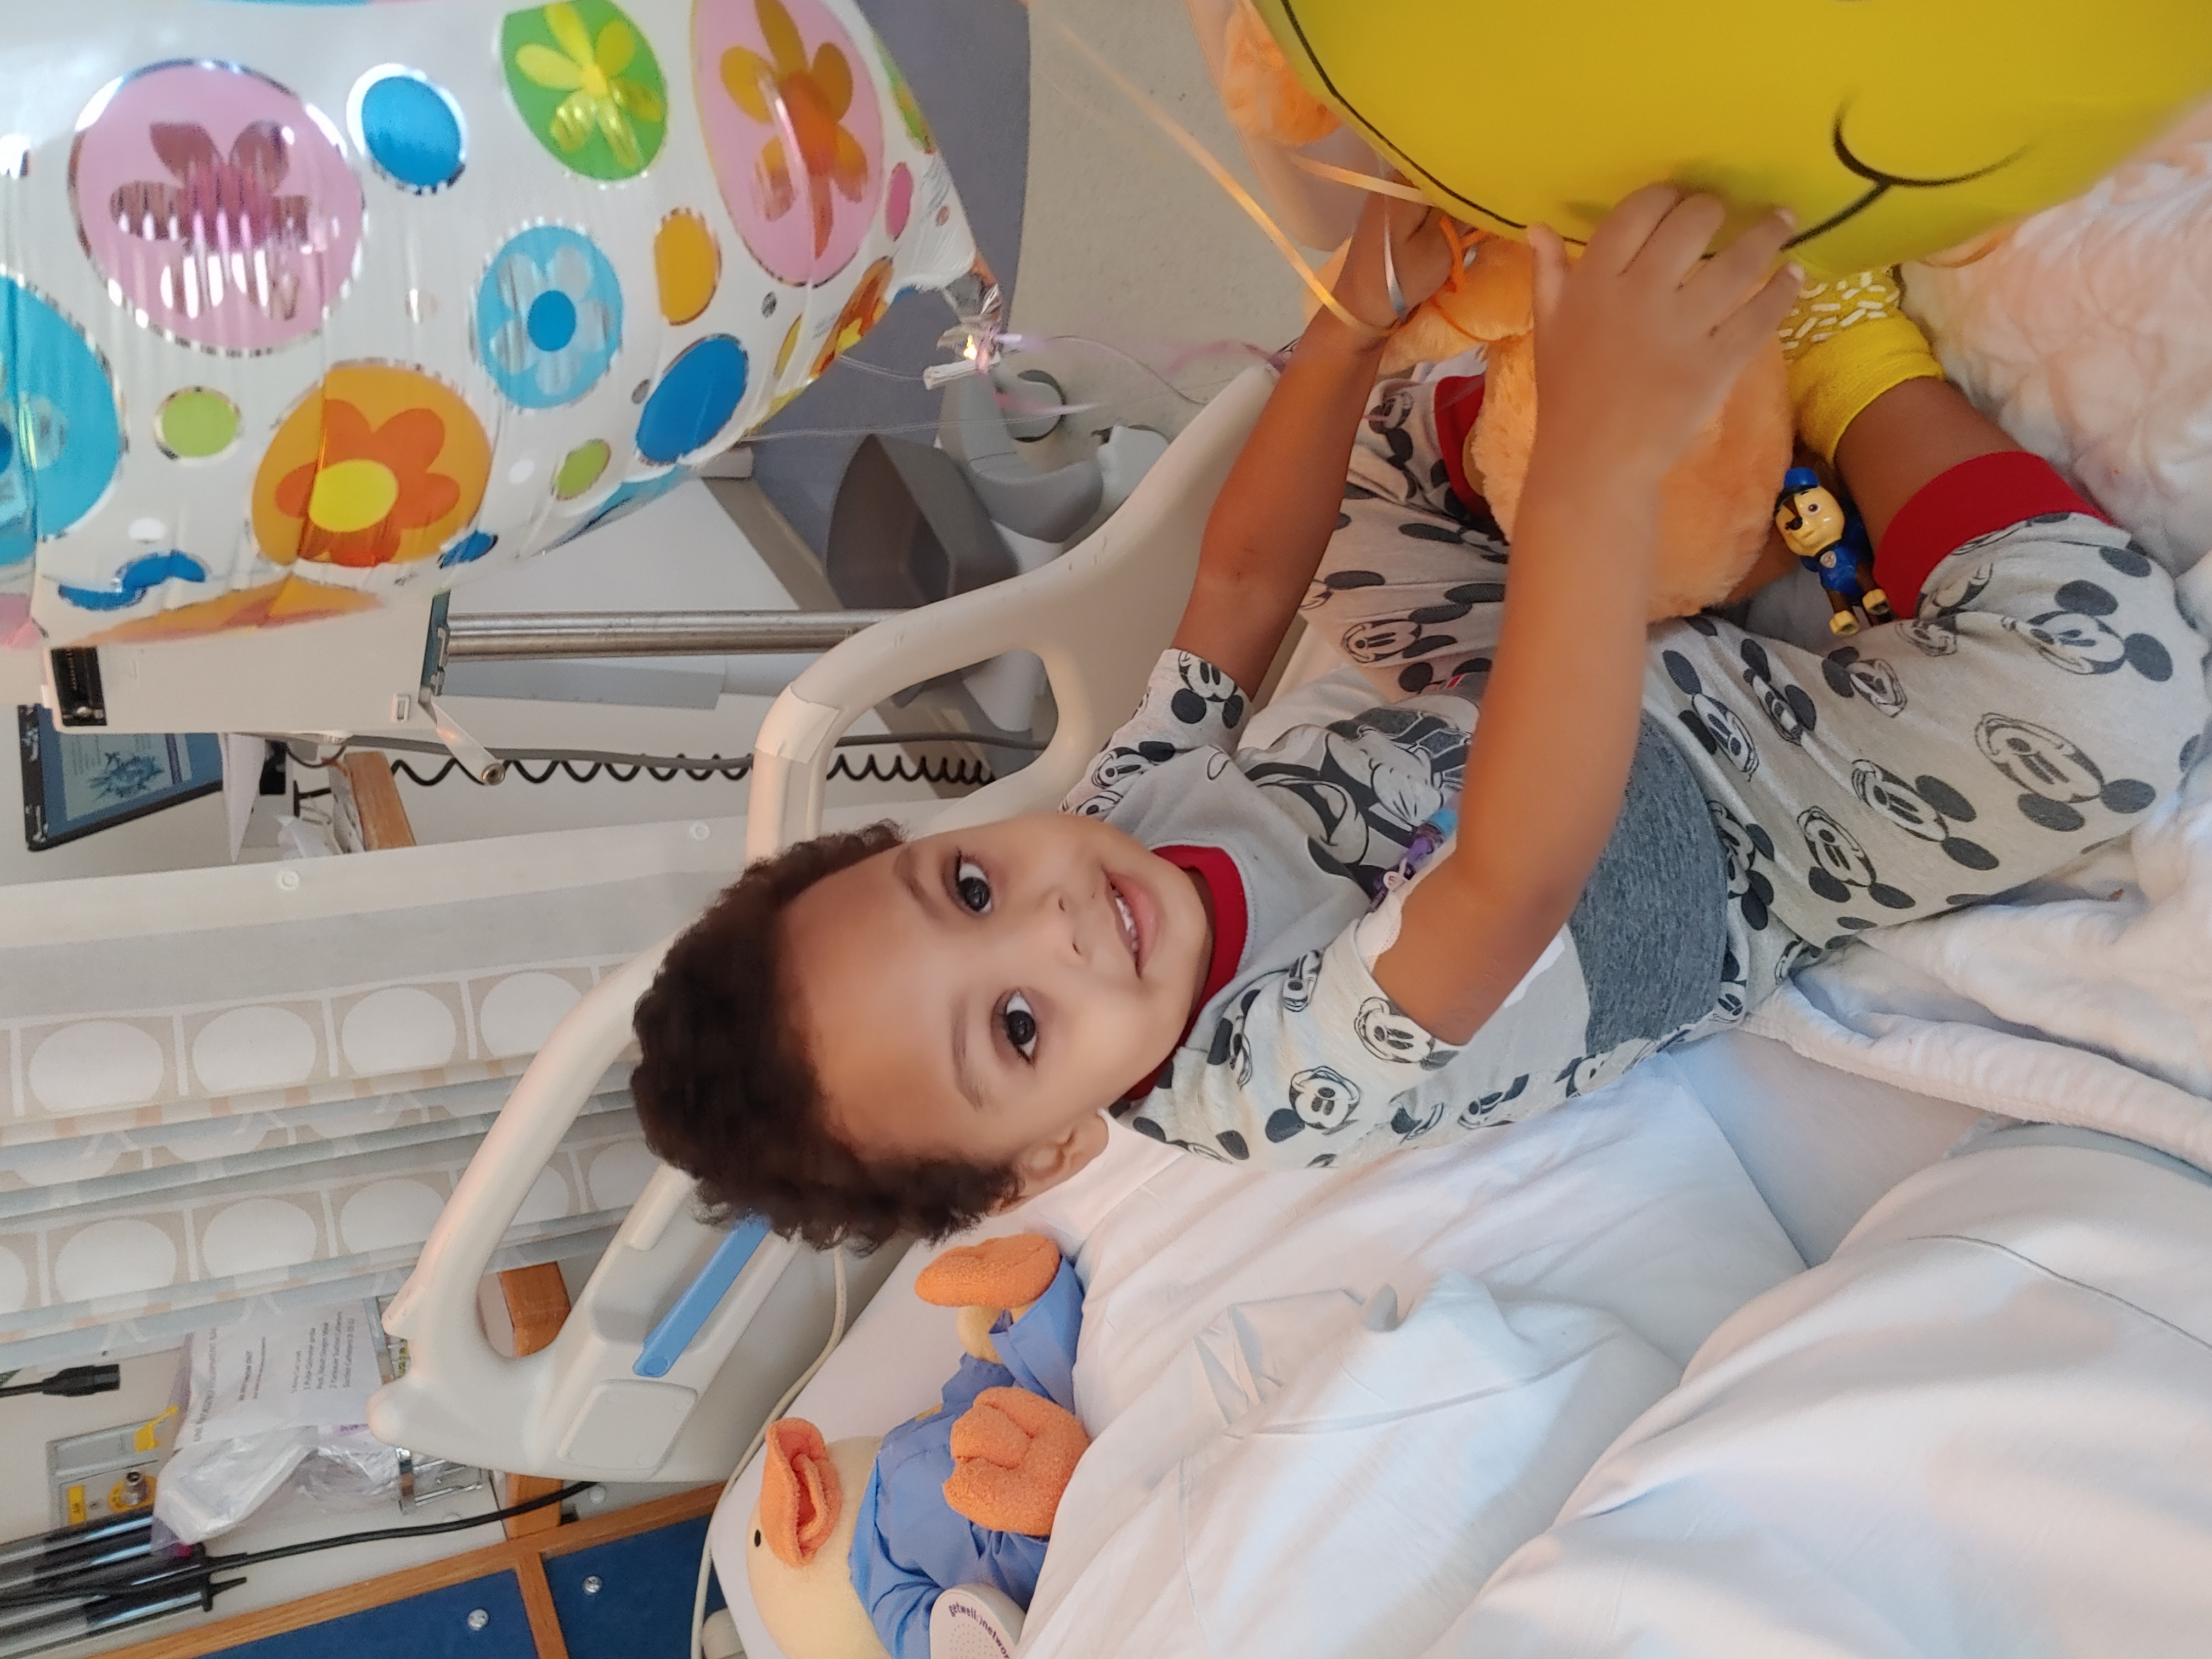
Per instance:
{"type": "Point", "coordinates": [1020, 1024]}
{"type": "Point", "coordinates": [972, 885]}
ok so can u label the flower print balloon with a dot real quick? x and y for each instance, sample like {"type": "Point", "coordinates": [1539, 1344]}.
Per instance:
{"type": "Point", "coordinates": [588, 85]}
{"type": "Point", "coordinates": [377, 464]}
{"type": "Point", "coordinates": [795, 130]}
{"type": "Point", "coordinates": [549, 313]}
{"type": "Point", "coordinates": [218, 206]}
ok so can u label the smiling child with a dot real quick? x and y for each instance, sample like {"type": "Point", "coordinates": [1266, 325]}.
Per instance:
{"type": "Point", "coordinates": [1393, 929]}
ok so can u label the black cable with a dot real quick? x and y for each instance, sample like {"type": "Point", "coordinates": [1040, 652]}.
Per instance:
{"type": "Point", "coordinates": [133, 1581]}
{"type": "Point", "coordinates": [429, 1529]}
{"type": "Point", "coordinates": [959, 773]}
{"type": "Point", "coordinates": [70, 1384]}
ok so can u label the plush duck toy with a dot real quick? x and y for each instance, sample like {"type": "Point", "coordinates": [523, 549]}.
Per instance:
{"type": "Point", "coordinates": [859, 1548]}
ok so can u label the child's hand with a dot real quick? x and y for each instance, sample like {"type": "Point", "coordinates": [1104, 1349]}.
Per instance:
{"type": "Point", "coordinates": [1420, 255]}
{"type": "Point", "coordinates": [1639, 342]}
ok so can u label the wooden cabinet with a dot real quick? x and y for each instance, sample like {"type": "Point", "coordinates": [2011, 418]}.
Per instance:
{"type": "Point", "coordinates": [618, 1586]}
{"type": "Point", "coordinates": [630, 1597]}
{"type": "Point", "coordinates": [481, 1618]}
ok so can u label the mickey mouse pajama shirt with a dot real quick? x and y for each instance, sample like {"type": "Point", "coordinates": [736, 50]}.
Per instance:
{"type": "Point", "coordinates": [2044, 692]}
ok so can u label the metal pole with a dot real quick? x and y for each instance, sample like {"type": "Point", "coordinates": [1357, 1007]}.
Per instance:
{"type": "Point", "coordinates": [81, 1558]}
{"type": "Point", "coordinates": [62, 1540]}
{"type": "Point", "coordinates": [652, 634]}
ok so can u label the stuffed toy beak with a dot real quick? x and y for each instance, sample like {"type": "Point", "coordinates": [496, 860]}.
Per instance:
{"type": "Point", "coordinates": [801, 1495]}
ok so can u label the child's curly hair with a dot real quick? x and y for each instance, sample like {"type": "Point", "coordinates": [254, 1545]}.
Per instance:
{"type": "Point", "coordinates": [727, 1093]}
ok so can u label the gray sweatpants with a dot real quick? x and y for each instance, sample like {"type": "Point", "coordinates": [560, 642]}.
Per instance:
{"type": "Point", "coordinates": [2046, 693]}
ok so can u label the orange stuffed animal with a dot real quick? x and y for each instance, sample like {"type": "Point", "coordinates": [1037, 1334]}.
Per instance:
{"type": "Point", "coordinates": [1716, 507]}
{"type": "Point", "coordinates": [1716, 532]}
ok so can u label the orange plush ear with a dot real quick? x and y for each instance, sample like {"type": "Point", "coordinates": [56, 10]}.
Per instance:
{"type": "Point", "coordinates": [801, 1495]}
{"type": "Point", "coordinates": [999, 1272]}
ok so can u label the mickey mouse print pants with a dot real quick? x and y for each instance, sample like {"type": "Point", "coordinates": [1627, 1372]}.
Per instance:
{"type": "Point", "coordinates": [2040, 691]}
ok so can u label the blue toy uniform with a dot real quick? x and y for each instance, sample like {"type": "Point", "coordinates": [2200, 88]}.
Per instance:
{"type": "Point", "coordinates": [1840, 569]}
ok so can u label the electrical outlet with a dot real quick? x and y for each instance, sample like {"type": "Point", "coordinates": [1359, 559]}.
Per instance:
{"type": "Point", "coordinates": [108, 1472]}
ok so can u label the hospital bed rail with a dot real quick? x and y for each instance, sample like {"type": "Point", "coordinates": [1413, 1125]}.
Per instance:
{"type": "Point", "coordinates": [639, 1384]}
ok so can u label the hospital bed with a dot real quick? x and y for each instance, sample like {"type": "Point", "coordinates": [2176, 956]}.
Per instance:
{"type": "Point", "coordinates": [1682, 1207]}
{"type": "Point", "coordinates": [1674, 1206]}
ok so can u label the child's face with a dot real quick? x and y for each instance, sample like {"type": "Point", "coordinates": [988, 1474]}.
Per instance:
{"type": "Point", "coordinates": [980, 994]}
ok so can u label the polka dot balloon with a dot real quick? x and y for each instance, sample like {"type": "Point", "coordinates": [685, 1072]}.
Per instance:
{"type": "Point", "coordinates": [311, 306]}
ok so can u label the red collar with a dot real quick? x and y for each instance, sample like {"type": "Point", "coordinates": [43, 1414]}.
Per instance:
{"type": "Point", "coordinates": [1231, 918]}
{"type": "Point", "coordinates": [1232, 922]}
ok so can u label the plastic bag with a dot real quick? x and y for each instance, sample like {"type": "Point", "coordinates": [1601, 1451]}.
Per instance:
{"type": "Point", "coordinates": [270, 1402]}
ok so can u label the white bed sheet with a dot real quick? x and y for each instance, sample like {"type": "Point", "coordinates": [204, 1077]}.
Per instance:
{"type": "Point", "coordinates": [1628, 1208]}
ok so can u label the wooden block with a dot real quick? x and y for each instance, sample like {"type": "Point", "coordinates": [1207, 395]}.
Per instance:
{"type": "Point", "coordinates": [520, 1489]}
{"type": "Point", "coordinates": [376, 800]}
{"type": "Point", "coordinates": [537, 1303]}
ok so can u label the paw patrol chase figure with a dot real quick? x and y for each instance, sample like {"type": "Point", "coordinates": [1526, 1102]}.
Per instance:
{"type": "Point", "coordinates": [1813, 525]}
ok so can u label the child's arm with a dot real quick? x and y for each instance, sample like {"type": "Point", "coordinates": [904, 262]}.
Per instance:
{"type": "Point", "coordinates": [1279, 507]}
{"type": "Point", "coordinates": [1911, 436]}
{"type": "Point", "coordinates": [1637, 347]}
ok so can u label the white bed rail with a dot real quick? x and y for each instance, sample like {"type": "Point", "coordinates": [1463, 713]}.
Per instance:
{"type": "Point", "coordinates": [599, 1402]}
{"type": "Point", "coordinates": [1098, 617]}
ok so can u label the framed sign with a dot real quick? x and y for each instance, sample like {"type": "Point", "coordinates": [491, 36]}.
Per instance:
{"type": "Point", "coordinates": [77, 783]}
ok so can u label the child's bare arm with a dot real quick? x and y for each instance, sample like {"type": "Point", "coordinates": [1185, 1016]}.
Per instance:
{"type": "Point", "coordinates": [1638, 345]}
{"type": "Point", "coordinates": [1276, 512]}
{"type": "Point", "coordinates": [1911, 436]}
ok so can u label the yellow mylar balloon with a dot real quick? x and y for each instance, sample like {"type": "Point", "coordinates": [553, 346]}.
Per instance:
{"type": "Point", "coordinates": [1892, 128]}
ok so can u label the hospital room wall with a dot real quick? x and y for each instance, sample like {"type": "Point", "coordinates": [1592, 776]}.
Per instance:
{"type": "Point", "coordinates": [1125, 241]}
{"type": "Point", "coordinates": [1136, 282]}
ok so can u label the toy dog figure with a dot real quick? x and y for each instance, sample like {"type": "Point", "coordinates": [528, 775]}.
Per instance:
{"type": "Point", "coordinates": [1813, 524]}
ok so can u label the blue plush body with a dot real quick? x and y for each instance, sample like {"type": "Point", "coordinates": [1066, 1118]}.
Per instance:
{"type": "Point", "coordinates": [908, 1544]}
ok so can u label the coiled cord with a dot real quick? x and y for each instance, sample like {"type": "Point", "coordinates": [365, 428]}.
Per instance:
{"type": "Point", "coordinates": [585, 765]}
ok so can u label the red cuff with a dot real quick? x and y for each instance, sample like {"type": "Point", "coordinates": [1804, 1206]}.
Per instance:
{"type": "Point", "coordinates": [1974, 498]}
{"type": "Point", "coordinates": [1458, 401]}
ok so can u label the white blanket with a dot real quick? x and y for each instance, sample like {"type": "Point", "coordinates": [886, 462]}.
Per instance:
{"type": "Point", "coordinates": [2093, 1007]}
{"type": "Point", "coordinates": [1313, 1476]}
{"type": "Point", "coordinates": [2084, 333]}
{"type": "Point", "coordinates": [1318, 1470]}
{"type": "Point", "coordinates": [1980, 1429]}
{"type": "Point", "coordinates": [1613, 1235]}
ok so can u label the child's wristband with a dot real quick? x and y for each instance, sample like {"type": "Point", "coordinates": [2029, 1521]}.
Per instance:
{"type": "Point", "coordinates": [1831, 382]}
